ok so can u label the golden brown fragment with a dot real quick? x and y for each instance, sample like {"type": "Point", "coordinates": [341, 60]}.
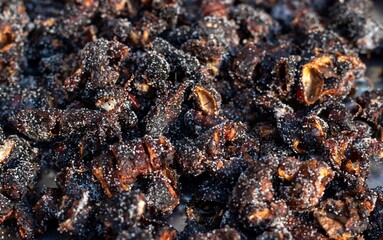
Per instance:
{"type": "Point", "coordinates": [168, 234]}
{"type": "Point", "coordinates": [6, 149]}
{"type": "Point", "coordinates": [6, 38]}
{"type": "Point", "coordinates": [311, 85]}
{"type": "Point", "coordinates": [206, 101]}
{"type": "Point", "coordinates": [313, 76]}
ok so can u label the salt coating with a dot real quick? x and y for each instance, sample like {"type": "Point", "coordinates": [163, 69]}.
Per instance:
{"type": "Point", "coordinates": [190, 119]}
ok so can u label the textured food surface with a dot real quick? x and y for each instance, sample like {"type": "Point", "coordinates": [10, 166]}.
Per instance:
{"type": "Point", "coordinates": [191, 119]}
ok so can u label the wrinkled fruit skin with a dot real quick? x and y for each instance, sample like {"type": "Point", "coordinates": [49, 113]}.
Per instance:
{"type": "Point", "coordinates": [190, 119]}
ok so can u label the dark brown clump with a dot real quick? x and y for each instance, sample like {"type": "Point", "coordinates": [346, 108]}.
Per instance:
{"type": "Point", "coordinates": [229, 119]}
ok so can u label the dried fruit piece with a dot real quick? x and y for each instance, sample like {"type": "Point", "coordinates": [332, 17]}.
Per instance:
{"type": "Point", "coordinates": [6, 208]}
{"type": "Point", "coordinates": [245, 64]}
{"type": "Point", "coordinates": [375, 228]}
{"type": "Point", "coordinates": [166, 110]}
{"type": "Point", "coordinates": [76, 216]}
{"type": "Point", "coordinates": [218, 234]}
{"type": "Point", "coordinates": [309, 185]}
{"type": "Point", "coordinates": [312, 81]}
{"type": "Point", "coordinates": [242, 113]}
{"type": "Point", "coordinates": [289, 168]}
{"type": "Point", "coordinates": [25, 221]}
{"type": "Point", "coordinates": [122, 210]}
{"type": "Point", "coordinates": [160, 151]}
{"type": "Point", "coordinates": [207, 204]}
{"type": "Point", "coordinates": [302, 229]}
{"type": "Point", "coordinates": [346, 217]}
{"type": "Point", "coordinates": [253, 198]}
{"type": "Point", "coordinates": [313, 133]}
{"type": "Point", "coordinates": [162, 195]}
{"type": "Point", "coordinates": [46, 209]}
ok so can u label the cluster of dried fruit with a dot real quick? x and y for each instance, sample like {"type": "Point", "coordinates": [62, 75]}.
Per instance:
{"type": "Point", "coordinates": [245, 113]}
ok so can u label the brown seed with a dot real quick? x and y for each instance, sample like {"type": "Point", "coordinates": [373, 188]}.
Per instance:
{"type": "Point", "coordinates": [311, 85]}
{"type": "Point", "coordinates": [312, 79]}
{"type": "Point", "coordinates": [205, 100]}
